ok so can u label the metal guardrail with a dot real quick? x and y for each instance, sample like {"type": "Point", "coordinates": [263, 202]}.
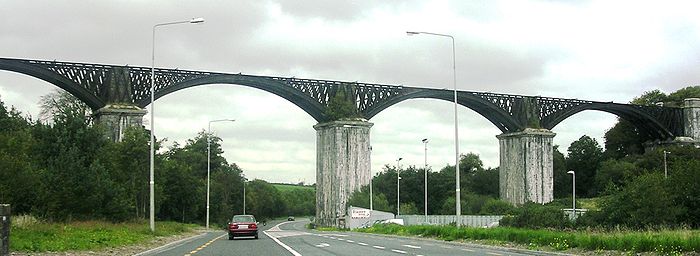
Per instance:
{"type": "Point", "coordinates": [465, 220]}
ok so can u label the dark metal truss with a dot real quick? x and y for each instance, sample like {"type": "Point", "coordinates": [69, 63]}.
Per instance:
{"type": "Point", "coordinates": [98, 85]}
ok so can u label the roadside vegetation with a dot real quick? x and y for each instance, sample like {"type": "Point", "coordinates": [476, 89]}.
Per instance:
{"type": "Point", "coordinates": [60, 169]}
{"type": "Point", "coordinates": [664, 241]}
{"type": "Point", "coordinates": [39, 236]}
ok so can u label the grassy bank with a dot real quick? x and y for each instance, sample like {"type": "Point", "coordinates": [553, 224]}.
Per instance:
{"type": "Point", "coordinates": [671, 241]}
{"type": "Point", "coordinates": [86, 235]}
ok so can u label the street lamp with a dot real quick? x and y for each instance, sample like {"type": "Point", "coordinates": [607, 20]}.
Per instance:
{"type": "Point", "coordinates": [398, 190]}
{"type": "Point", "coordinates": [151, 183]}
{"type": "Point", "coordinates": [370, 183]}
{"type": "Point", "coordinates": [425, 173]}
{"type": "Point", "coordinates": [665, 166]}
{"type": "Point", "coordinates": [573, 193]}
{"type": "Point", "coordinates": [244, 182]}
{"type": "Point", "coordinates": [458, 207]}
{"type": "Point", "coordinates": [209, 159]}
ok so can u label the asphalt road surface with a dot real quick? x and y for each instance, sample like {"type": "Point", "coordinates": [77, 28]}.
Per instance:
{"type": "Point", "coordinates": [292, 238]}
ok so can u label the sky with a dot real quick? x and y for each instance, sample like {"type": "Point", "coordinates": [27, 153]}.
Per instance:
{"type": "Point", "coordinates": [591, 50]}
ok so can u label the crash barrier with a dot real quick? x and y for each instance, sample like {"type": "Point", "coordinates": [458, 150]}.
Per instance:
{"type": "Point", "coordinates": [465, 220]}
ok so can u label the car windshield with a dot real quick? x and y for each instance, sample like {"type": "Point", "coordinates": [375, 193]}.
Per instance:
{"type": "Point", "coordinates": [243, 218]}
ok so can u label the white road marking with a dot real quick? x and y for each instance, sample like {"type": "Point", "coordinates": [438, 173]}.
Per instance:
{"type": "Point", "coordinates": [350, 241]}
{"type": "Point", "coordinates": [399, 251]}
{"type": "Point", "coordinates": [341, 239]}
{"type": "Point", "coordinates": [321, 245]}
{"type": "Point", "coordinates": [362, 243]}
{"type": "Point", "coordinates": [295, 253]}
{"type": "Point", "coordinates": [412, 246]}
{"type": "Point", "coordinates": [378, 247]}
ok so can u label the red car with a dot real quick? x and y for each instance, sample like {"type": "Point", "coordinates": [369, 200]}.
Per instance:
{"type": "Point", "coordinates": [242, 225]}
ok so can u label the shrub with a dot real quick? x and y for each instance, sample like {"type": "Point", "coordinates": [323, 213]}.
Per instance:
{"type": "Point", "coordinates": [533, 215]}
{"type": "Point", "coordinates": [496, 207]}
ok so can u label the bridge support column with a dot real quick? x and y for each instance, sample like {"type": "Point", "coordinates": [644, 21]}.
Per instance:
{"type": "Point", "coordinates": [526, 171]}
{"type": "Point", "coordinates": [342, 166]}
{"type": "Point", "coordinates": [116, 118]}
{"type": "Point", "coordinates": [691, 116]}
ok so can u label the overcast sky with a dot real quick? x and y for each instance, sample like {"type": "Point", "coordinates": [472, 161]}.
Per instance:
{"type": "Point", "coordinates": [593, 50]}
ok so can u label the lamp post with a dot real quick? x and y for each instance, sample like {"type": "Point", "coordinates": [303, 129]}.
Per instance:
{"type": "Point", "coordinates": [425, 178]}
{"type": "Point", "coordinates": [665, 166]}
{"type": "Point", "coordinates": [398, 190]}
{"type": "Point", "coordinates": [209, 159]}
{"type": "Point", "coordinates": [245, 180]}
{"type": "Point", "coordinates": [458, 207]}
{"type": "Point", "coordinates": [371, 208]}
{"type": "Point", "coordinates": [151, 182]}
{"type": "Point", "coordinates": [573, 193]}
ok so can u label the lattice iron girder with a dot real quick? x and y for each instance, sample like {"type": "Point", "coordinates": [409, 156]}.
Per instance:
{"type": "Point", "coordinates": [656, 122]}
{"type": "Point", "coordinates": [275, 86]}
{"type": "Point", "coordinates": [472, 100]}
{"type": "Point", "coordinates": [81, 83]}
{"type": "Point", "coordinates": [87, 82]}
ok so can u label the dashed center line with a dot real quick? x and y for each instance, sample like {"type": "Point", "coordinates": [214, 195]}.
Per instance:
{"type": "Point", "coordinates": [350, 241]}
{"type": "Point", "coordinates": [411, 246]}
{"type": "Point", "coordinates": [204, 245]}
{"type": "Point", "coordinates": [378, 247]}
{"type": "Point", "coordinates": [362, 243]}
{"type": "Point", "coordinates": [398, 251]}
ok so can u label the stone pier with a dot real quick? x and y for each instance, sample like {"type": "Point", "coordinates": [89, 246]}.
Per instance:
{"type": "Point", "coordinates": [342, 166]}
{"type": "Point", "coordinates": [116, 118]}
{"type": "Point", "coordinates": [691, 116]}
{"type": "Point", "coordinates": [526, 171]}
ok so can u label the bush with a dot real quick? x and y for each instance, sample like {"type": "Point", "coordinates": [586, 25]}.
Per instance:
{"type": "Point", "coordinates": [497, 207]}
{"type": "Point", "coordinates": [535, 216]}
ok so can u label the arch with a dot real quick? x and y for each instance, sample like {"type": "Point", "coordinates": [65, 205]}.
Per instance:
{"type": "Point", "coordinates": [646, 124]}
{"type": "Point", "coordinates": [497, 116]}
{"type": "Point", "coordinates": [296, 97]}
{"type": "Point", "coordinates": [54, 78]}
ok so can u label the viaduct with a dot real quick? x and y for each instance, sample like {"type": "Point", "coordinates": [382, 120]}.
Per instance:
{"type": "Point", "coordinates": [119, 94]}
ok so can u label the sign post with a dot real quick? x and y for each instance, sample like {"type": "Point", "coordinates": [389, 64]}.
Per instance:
{"type": "Point", "coordinates": [4, 229]}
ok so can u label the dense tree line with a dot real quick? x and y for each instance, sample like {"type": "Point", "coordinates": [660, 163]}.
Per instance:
{"type": "Point", "coordinates": [479, 190]}
{"type": "Point", "coordinates": [63, 168]}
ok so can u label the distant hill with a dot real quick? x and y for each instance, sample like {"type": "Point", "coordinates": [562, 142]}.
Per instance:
{"type": "Point", "coordinates": [289, 187]}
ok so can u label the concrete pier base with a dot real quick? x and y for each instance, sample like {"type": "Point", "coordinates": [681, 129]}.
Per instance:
{"type": "Point", "coordinates": [526, 171]}
{"type": "Point", "coordinates": [342, 166]}
{"type": "Point", "coordinates": [116, 118]}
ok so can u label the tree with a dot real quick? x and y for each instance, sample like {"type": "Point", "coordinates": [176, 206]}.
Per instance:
{"type": "Point", "coordinates": [644, 202]}
{"type": "Point", "coordinates": [612, 175]}
{"type": "Point", "coordinates": [562, 181]}
{"type": "Point", "coordinates": [60, 103]}
{"type": "Point", "coordinates": [341, 105]}
{"type": "Point", "coordinates": [585, 155]}
{"type": "Point", "coordinates": [263, 200]}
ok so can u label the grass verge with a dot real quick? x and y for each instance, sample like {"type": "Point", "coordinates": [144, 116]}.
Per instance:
{"type": "Point", "coordinates": [670, 241]}
{"type": "Point", "coordinates": [87, 235]}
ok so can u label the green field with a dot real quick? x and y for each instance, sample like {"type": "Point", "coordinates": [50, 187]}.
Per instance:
{"type": "Point", "coordinates": [289, 187]}
{"type": "Point", "coordinates": [87, 235]}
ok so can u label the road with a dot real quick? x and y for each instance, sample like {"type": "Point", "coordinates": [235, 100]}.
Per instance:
{"type": "Point", "coordinates": [292, 238]}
